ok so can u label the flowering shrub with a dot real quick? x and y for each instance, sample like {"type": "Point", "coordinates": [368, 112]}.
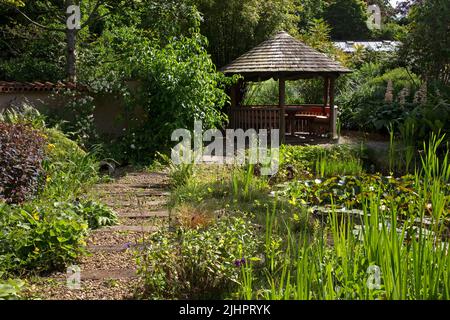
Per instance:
{"type": "Point", "coordinates": [22, 152]}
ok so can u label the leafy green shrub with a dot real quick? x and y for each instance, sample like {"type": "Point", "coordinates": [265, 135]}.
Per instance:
{"type": "Point", "coordinates": [21, 156]}
{"type": "Point", "coordinates": [197, 263]}
{"type": "Point", "coordinates": [39, 237]}
{"type": "Point", "coordinates": [10, 289]}
{"type": "Point", "coordinates": [432, 117]}
{"type": "Point", "coordinates": [95, 214]}
{"type": "Point", "coordinates": [176, 84]}
{"type": "Point", "coordinates": [48, 232]}
{"type": "Point", "coordinates": [62, 148]}
{"type": "Point", "coordinates": [361, 98]}
{"type": "Point", "coordinates": [69, 169]}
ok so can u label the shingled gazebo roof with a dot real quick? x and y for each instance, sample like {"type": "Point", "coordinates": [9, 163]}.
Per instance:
{"type": "Point", "coordinates": [283, 55]}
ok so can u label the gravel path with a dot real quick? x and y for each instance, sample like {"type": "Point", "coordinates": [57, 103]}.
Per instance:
{"type": "Point", "coordinates": [108, 272]}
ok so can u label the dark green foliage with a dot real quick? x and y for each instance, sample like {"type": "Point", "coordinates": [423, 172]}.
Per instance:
{"type": "Point", "coordinates": [347, 19]}
{"type": "Point", "coordinates": [21, 156]}
{"type": "Point", "coordinates": [362, 102]}
{"type": "Point", "coordinates": [433, 117]}
{"type": "Point", "coordinates": [28, 52]}
{"type": "Point", "coordinates": [427, 43]}
{"type": "Point", "coordinates": [361, 96]}
{"type": "Point", "coordinates": [175, 84]}
{"type": "Point", "coordinates": [234, 26]}
{"type": "Point", "coordinates": [166, 19]}
{"type": "Point", "coordinates": [309, 10]}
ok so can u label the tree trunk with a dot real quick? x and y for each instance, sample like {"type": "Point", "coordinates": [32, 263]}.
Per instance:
{"type": "Point", "coordinates": [71, 35]}
{"type": "Point", "coordinates": [71, 55]}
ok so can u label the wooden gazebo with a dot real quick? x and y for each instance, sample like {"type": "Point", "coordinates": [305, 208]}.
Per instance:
{"type": "Point", "coordinates": [284, 58]}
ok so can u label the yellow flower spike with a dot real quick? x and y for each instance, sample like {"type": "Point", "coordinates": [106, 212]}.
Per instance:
{"type": "Point", "coordinates": [51, 146]}
{"type": "Point", "coordinates": [48, 179]}
{"type": "Point", "coordinates": [36, 216]}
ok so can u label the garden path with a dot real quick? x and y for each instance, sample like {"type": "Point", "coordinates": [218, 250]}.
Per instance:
{"type": "Point", "coordinates": [109, 271]}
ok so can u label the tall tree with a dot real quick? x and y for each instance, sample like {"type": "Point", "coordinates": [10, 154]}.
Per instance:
{"type": "Point", "coordinates": [56, 19]}
{"type": "Point", "coordinates": [308, 10]}
{"type": "Point", "coordinates": [234, 26]}
{"type": "Point", "coordinates": [427, 44]}
{"type": "Point", "coordinates": [347, 19]}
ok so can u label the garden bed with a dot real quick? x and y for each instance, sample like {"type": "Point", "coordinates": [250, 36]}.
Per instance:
{"type": "Point", "coordinates": [316, 230]}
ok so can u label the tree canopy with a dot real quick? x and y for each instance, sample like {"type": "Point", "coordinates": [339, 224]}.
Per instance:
{"type": "Point", "coordinates": [427, 42]}
{"type": "Point", "coordinates": [348, 19]}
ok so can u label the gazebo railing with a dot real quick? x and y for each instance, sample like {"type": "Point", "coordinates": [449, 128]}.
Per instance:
{"type": "Point", "coordinates": [255, 117]}
{"type": "Point", "coordinates": [298, 118]}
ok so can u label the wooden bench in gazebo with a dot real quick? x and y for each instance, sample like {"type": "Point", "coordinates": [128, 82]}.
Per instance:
{"type": "Point", "coordinates": [284, 58]}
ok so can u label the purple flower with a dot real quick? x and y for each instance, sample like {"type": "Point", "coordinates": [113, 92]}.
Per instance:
{"type": "Point", "coordinates": [239, 262]}
{"type": "Point", "coordinates": [127, 245]}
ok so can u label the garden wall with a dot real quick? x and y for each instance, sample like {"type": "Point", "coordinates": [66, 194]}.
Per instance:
{"type": "Point", "coordinates": [110, 114]}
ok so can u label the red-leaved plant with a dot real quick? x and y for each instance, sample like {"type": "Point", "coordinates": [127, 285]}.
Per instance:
{"type": "Point", "coordinates": [22, 151]}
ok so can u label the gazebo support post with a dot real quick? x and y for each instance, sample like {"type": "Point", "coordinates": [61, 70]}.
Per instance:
{"type": "Point", "coordinates": [233, 105]}
{"type": "Point", "coordinates": [326, 92]}
{"type": "Point", "coordinates": [282, 105]}
{"type": "Point", "coordinates": [333, 115]}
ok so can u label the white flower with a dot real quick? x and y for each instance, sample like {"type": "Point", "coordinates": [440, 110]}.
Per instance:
{"type": "Point", "coordinates": [133, 146]}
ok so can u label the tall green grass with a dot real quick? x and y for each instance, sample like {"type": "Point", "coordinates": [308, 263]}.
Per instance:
{"type": "Point", "coordinates": [327, 167]}
{"type": "Point", "coordinates": [408, 134]}
{"type": "Point", "coordinates": [381, 256]}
